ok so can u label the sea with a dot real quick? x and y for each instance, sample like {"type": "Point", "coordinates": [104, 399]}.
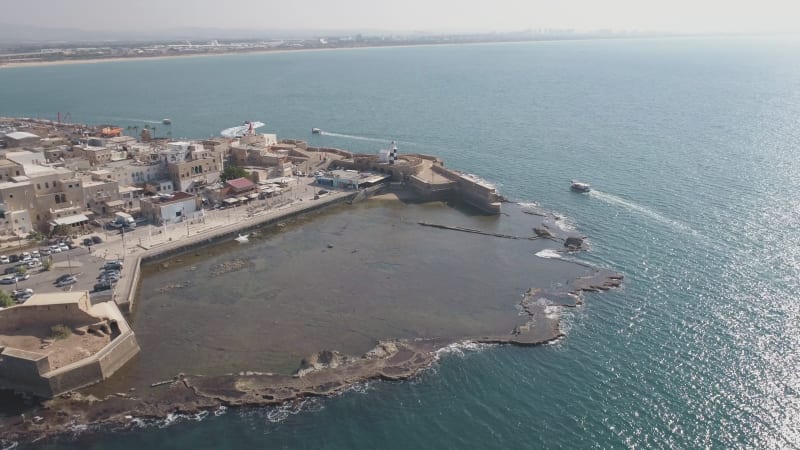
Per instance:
{"type": "Point", "coordinates": [691, 147]}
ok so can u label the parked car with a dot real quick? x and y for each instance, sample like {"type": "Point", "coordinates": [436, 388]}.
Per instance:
{"type": "Point", "coordinates": [23, 276]}
{"type": "Point", "coordinates": [63, 246]}
{"type": "Point", "coordinates": [21, 295]}
{"type": "Point", "coordinates": [44, 251]}
{"type": "Point", "coordinates": [63, 277]}
{"type": "Point", "coordinates": [13, 258]}
{"type": "Point", "coordinates": [88, 242]}
{"type": "Point", "coordinates": [36, 262]}
{"type": "Point", "coordinates": [102, 286]}
{"type": "Point", "coordinates": [9, 270]}
{"type": "Point", "coordinates": [11, 279]}
{"type": "Point", "coordinates": [4, 259]}
{"type": "Point", "coordinates": [97, 240]}
{"type": "Point", "coordinates": [67, 281]}
{"type": "Point", "coordinates": [115, 265]}
{"type": "Point", "coordinates": [35, 254]}
{"type": "Point", "coordinates": [55, 249]}
{"type": "Point", "coordinates": [25, 257]}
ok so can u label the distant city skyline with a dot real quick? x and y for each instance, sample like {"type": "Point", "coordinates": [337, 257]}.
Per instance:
{"type": "Point", "coordinates": [676, 16]}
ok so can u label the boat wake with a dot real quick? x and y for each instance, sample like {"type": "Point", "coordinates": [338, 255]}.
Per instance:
{"type": "Point", "coordinates": [364, 138]}
{"type": "Point", "coordinates": [642, 210]}
{"type": "Point", "coordinates": [132, 119]}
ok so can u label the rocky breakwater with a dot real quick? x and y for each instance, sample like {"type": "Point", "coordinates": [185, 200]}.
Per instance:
{"type": "Point", "coordinates": [329, 372]}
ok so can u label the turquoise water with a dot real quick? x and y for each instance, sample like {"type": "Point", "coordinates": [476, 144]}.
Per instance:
{"type": "Point", "coordinates": [691, 145]}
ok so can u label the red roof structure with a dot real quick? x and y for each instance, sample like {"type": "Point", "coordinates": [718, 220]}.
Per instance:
{"type": "Point", "coordinates": [240, 185]}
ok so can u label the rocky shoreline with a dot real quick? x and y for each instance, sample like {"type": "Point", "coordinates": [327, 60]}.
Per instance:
{"type": "Point", "coordinates": [323, 374]}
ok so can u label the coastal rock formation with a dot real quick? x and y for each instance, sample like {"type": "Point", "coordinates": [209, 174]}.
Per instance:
{"type": "Point", "coordinates": [229, 266]}
{"type": "Point", "coordinates": [573, 242]}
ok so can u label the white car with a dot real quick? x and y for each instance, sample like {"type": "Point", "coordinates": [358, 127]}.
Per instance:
{"type": "Point", "coordinates": [4, 259]}
{"type": "Point", "coordinates": [55, 249]}
{"type": "Point", "coordinates": [64, 247]}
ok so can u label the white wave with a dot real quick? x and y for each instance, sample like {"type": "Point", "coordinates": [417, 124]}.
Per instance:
{"type": "Point", "coordinates": [459, 348]}
{"type": "Point", "coordinates": [549, 253]}
{"type": "Point", "coordinates": [643, 210]}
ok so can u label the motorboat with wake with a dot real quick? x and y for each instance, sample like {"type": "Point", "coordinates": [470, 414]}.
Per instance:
{"type": "Point", "coordinates": [243, 238]}
{"type": "Point", "coordinates": [579, 186]}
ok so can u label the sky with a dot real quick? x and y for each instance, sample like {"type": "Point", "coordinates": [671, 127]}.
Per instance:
{"type": "Point", "coordinates": [680, 16]}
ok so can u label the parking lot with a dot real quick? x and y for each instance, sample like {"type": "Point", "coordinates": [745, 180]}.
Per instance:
{"type": "Point", "coordinates": [78, 262]}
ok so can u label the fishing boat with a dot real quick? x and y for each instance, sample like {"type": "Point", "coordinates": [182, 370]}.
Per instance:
{"type": "Point", "coordinates": [242, 238]}
{"type": "Point", "coordinates": [316, 131]}
{"type": "Point", "coordinates": [578, 186]}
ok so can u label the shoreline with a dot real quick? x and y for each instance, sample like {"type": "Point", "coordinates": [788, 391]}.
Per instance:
{"type": "Point", "coordinates": [116, 59]}
{"type": "Point", "coordinates": [20, 64]}
{"type": "Point", "coordinates": [325, 373]}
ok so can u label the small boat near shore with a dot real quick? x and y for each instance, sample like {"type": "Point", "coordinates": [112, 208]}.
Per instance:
{"type": "Point", "coordinates": [578, 186]}
{"type": "Point", "coordinates": [316, 131]}
{"type": "Point", "coordinates": [242, 238]}
{"type": "Point", "coordinates": [166, 121]}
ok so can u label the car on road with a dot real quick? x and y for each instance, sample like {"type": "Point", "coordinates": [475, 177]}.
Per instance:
{"type": "Point", "coordinates": [97, 240]}
{"type": "Point", "coordinates": [4, 259]}
{"type": "Point", "coordinates": [88, 242]}
{"type": "Point", "coordinates": [67, 281]}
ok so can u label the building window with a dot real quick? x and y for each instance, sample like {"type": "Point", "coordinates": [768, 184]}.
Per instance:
{"type": "Point", "coordinates": [46, 185]}
{"type": "Point", "coordinates": [38, 186]}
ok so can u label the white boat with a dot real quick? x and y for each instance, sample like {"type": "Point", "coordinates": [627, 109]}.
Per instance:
{"type": "Point", "coordinates": [578, 186]}
{"type": "Point", "coordinates": [248, 127]}
{"type": "Point", "coordinates": [242, 238]}
{"type": "Point", "coordinates": [316, 131]}
{"type": "Point", "coordinates": [166, 121]}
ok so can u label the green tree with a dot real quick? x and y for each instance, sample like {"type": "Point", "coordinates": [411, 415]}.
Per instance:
{"type": "Point", "coordinates": [22, 269]}
{"type": "Point", "coordinates": [232, 172]}
{"type": "Point", "coordinates": [47, 264]}
{"type": "Point", "coordinates": [60, 230]}
{"type": "Point", "coordinates": [5, 299]}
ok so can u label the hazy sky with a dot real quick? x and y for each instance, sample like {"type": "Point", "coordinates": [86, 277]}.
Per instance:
{"type": "Point", "coordinates": [422, 15]}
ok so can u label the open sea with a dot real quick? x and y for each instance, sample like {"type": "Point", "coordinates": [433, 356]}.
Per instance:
{"type": "Point", "coordinates": [692, 148]}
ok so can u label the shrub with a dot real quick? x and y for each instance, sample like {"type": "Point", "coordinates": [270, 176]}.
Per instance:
{"type": "Point", "coordinates": [5, 300]}
{"type": "Point", "coordinates": [60, 331]}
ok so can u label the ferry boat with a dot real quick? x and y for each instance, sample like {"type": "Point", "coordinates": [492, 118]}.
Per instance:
{"type": "Point", "coordinates": [316, 131]}
{"type": "Point", "coordinates": [578, 186]}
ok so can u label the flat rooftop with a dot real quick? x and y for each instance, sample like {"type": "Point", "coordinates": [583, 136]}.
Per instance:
{"type": "Point", "coordinates": [55, 298]}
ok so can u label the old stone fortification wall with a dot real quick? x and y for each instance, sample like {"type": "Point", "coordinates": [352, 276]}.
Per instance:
{"type": "Point", "coordinates": [338, 151]}
{"type": "Point", "coordinates": [44, 315]}
{"type": "Point", "coordinates": [31, 372]}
